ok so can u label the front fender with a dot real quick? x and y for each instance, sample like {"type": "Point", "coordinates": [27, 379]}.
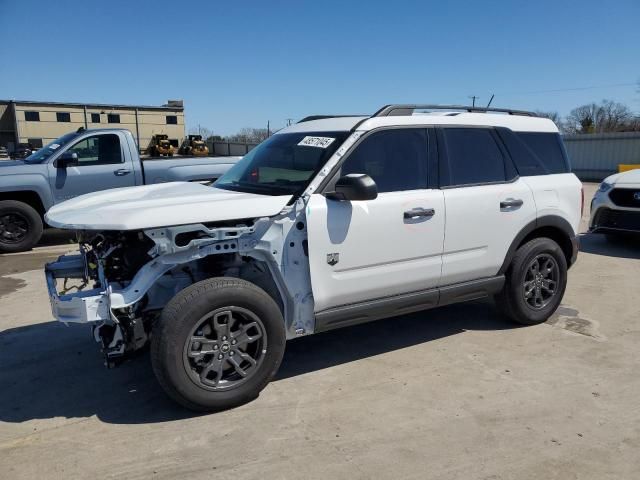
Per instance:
{"type": "Point", "coordinates": [27, 183]}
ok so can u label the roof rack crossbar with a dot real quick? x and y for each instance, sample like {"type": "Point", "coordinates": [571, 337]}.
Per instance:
{"type": "Point", "coordinates": [408, 109]}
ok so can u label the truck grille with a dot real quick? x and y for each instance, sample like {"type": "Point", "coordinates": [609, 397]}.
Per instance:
{"type": "Point", "coordinates": [617, 219]}
{"type": "Point", "coordinates": [624, 197]}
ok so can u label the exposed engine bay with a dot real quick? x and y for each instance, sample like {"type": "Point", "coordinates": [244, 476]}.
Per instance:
{"type": "Point", "coordinates": [126, 278]}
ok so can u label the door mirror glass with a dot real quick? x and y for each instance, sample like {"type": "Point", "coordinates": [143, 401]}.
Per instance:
{"type": "Point", "coordinates": [67, 159]}
{"type": "Point", "coordinates": [354, 186]}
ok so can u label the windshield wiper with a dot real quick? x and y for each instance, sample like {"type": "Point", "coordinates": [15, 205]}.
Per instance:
{"type": "Point", "coordinates": [256, 187]}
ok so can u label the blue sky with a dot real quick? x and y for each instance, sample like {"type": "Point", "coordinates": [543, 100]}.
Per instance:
{"type": "Point", "coordinates": [241, 63]}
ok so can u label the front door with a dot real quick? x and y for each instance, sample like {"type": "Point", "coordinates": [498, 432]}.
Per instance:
{"type": "Point", "coordinates": [101, 166]}
{"type": "Point", "coordinates": [365, 250]}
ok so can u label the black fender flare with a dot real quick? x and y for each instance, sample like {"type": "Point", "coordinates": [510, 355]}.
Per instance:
{"type": "Point", "coordinates": [553, 221]}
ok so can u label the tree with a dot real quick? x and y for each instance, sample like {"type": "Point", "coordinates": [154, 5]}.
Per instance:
{"type": "Point", "coordinates": [608, 116]}
{"type": "Point", "coordinates": [249, 135]}
{"type": "Point", "coordinates": [554, 116]}
{"type": "Point", "coordinates": [199, 130]}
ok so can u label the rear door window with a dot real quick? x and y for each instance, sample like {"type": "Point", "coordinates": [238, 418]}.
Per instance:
{"type": "Point", "coordinates": [473, 157]}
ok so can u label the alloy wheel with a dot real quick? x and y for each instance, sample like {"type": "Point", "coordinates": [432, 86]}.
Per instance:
{"type": "Point", "coordinates": [540, 283]}
{"type": "Point", "coordinates": [225, 349]}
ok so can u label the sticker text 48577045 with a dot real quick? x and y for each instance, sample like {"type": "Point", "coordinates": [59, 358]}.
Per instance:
{"type": "Point", "coordinates": [320, 142]}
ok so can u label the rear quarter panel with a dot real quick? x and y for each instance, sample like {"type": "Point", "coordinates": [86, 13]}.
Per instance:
{"type": "Point", "coordinates": [558, 194]}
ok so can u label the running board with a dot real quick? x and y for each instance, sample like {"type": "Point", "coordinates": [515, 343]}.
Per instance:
{"type": "Point", "coordinates": [353, 314]}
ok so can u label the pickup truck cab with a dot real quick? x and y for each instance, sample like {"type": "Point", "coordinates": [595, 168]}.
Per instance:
{"type": "Point", "coordinates": [82, 162]}
{"type": "Point", "coordinates": [328, 223]}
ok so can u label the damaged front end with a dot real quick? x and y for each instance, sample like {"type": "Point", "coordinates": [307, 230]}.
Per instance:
{"type": "Point", "coordinates": [120, 281]}
{"type": "Point", "coordinates": [80, 292]}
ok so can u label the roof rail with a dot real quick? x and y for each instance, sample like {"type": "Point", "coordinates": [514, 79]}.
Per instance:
{"type": "Point", "coordinates": [406, 110]}
{"type": "Point", "coordinates": [321, 117]}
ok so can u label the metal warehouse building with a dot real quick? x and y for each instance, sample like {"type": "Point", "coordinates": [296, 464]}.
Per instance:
{"type": "Point", "coordinates": [38, 123]}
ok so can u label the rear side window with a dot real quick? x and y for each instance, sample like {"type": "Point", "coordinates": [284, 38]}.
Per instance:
{"type": "Point", "coordinates": [547, 148]}
{"type": "Point", "coordinates": [396, 159]}
{"type": "Point", "coordinates": [474, 157]}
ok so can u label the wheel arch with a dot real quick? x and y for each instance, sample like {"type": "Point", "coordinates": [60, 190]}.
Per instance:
{"type": "Point", "coordinates": [256, 271]}
{"type": "Point", "coordinates": [29, 197]}
{"type": "Point", "coordinates": [554, 227]}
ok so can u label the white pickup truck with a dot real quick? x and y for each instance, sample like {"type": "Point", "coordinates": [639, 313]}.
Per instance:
{"type": "Point", "coordinates": [330, 222]}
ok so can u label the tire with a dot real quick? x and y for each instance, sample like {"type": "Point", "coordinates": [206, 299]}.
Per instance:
{"type": "Point", "coordinates": [532, 309]}
{"type": "Point", "coordinates": [20, 226]}
{"type": "Point", "coordinates": [177, 358]}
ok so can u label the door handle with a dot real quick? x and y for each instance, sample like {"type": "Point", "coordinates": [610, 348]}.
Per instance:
{"type": "Point", "coordinates": [122, 172]}
{"type": "Point", "coordinates": [511, 203]}
{"type": "Point", "coordinates": [419, 212]}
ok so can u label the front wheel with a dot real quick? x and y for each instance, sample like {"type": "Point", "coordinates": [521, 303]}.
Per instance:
{"type": "Point", "coordinates": [535, 282]}
{"type": "Point", "coordinates": [217, 344]}
{"type": "Point", "coordinates": [20, 226]}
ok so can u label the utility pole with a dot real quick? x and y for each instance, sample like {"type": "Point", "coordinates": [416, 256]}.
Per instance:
{"type": "Point", "coordinates": [268, 130]}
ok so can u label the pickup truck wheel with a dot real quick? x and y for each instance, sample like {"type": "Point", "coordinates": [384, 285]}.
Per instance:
{"type": "Point", "coordinates": [535, 282]}
{"type": "Point", "coordinates": [217, 344]}
{"type": "Point", "coordinates": [20, 226]}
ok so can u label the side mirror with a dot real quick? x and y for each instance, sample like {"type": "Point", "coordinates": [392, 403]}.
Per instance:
{"type": "Point", "coordinates": [67, 159]}
{"type": "Point", "coordinates": [355, 186]}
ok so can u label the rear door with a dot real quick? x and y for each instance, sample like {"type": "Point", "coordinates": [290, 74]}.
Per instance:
{"type": "Point", "coordinates": [487, 204]}
{"type": "Point", "coordinates": [102, 164]}
{"type": "Point", "coordinates": [364, 250]}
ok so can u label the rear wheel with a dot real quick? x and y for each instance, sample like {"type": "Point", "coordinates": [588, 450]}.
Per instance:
{"type": "Point", "coordinates": [535, 282]}
{"type": "Point", "coordinates": [20, 226]}
{"type": "Point", "coordinates": [217, 344]}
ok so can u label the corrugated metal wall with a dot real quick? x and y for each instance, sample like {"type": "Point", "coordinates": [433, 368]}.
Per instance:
{"type": "Point", "coordinates": [230, 148]}
{"type": "Point", "coordinates": [596, 156]}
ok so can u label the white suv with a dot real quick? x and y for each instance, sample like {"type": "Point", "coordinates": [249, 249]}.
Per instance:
{"type": "Point", "coordinates": [615, 208]}
{"type": "Point", "coordinates": [331, 222]}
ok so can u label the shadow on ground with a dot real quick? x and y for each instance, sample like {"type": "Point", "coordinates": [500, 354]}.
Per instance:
{"type": "Point", "coordinates": [621, 247]}
{"type": "Point", "coordinates": [48, 370]}
{"type": "Point", "coordinates": [54, 236]}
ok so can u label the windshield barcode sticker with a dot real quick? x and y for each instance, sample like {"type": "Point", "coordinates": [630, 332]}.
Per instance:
{"type": "Point", "coordinates": [320, 142]}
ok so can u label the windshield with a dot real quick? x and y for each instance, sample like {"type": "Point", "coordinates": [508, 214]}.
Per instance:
{"type": "Point", "coordinates": [283, 164]}
{"type": "Point", "coordinates": [49, 149]}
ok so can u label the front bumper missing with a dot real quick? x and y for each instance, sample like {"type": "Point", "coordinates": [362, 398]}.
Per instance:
{"type": "Point", "coordinates": [85, 306]}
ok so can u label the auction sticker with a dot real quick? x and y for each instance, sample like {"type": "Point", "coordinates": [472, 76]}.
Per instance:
{"type": "Point", "coordinates": [320, 142]}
